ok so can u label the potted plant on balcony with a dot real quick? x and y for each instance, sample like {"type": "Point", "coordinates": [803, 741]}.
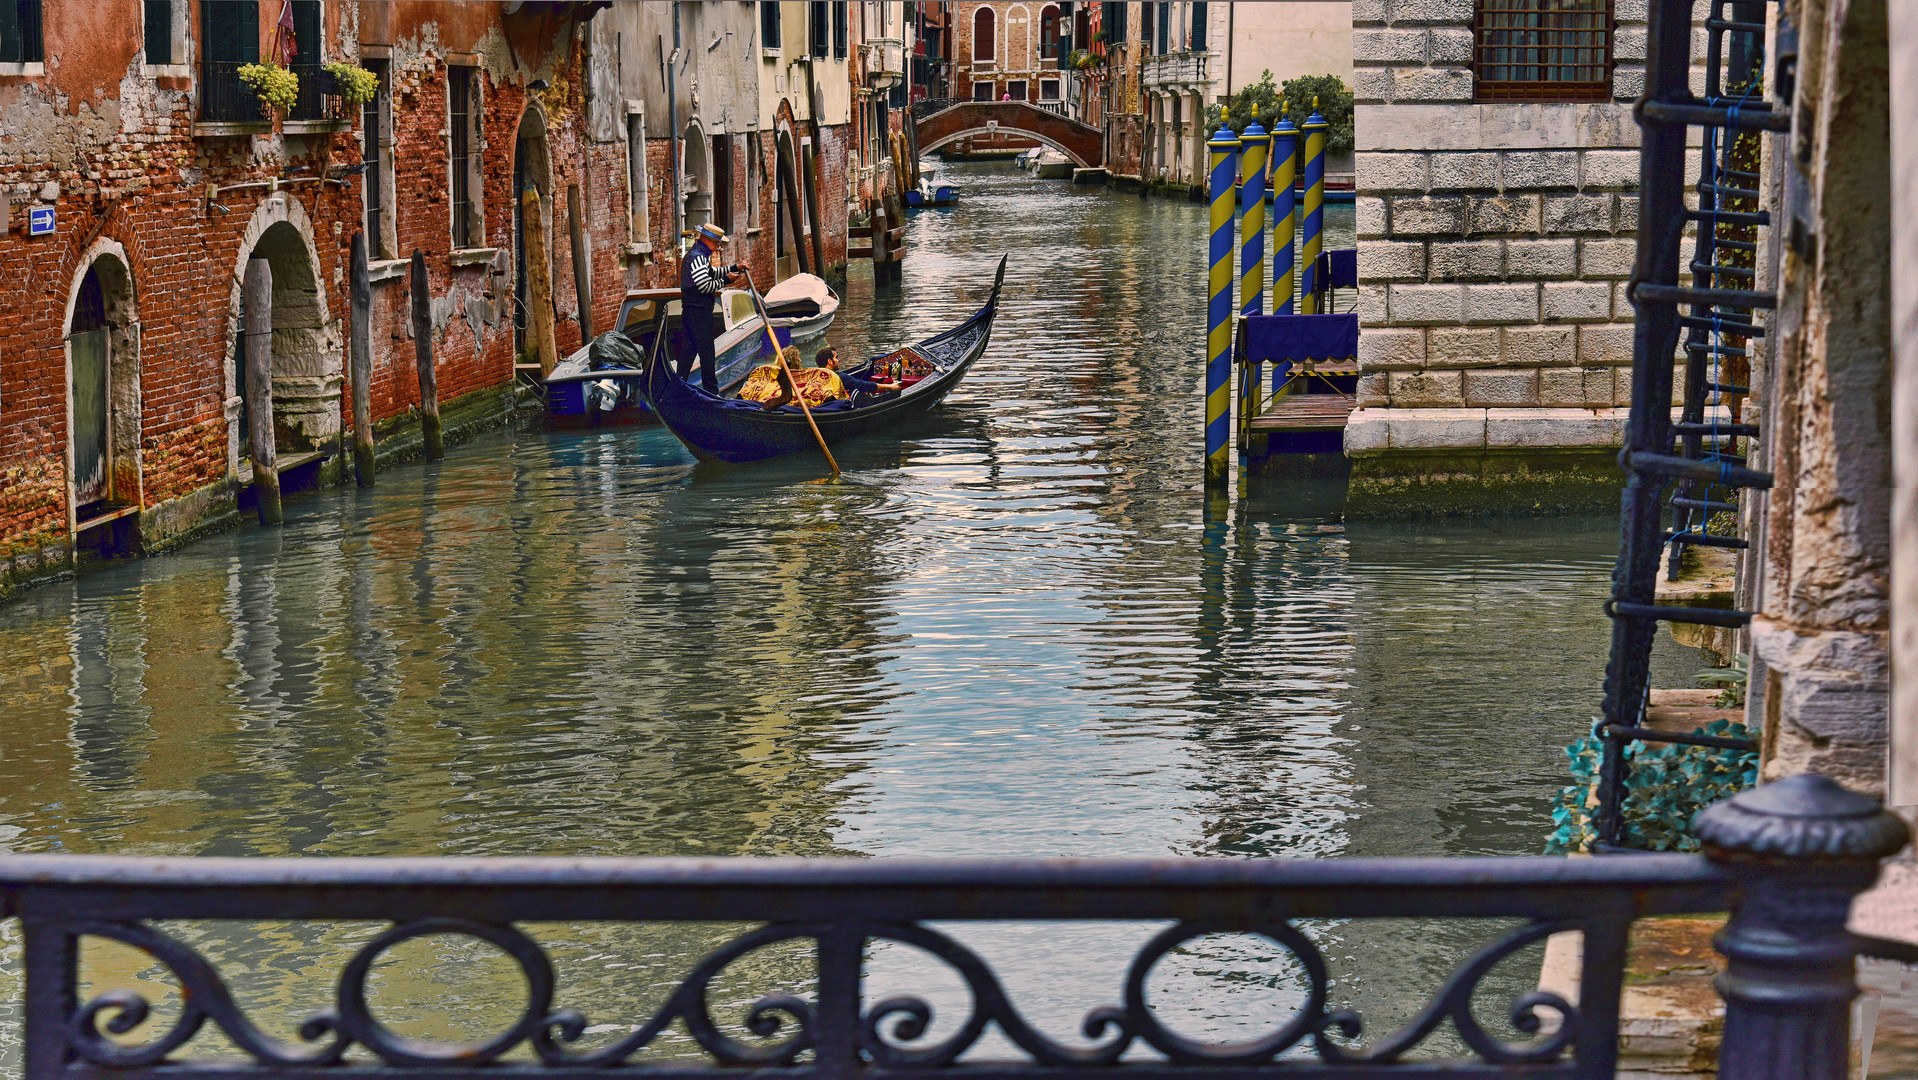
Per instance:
{"type": "Point", "coordinates": [353, 84]}
{"type": "Point", "coordinates": [277, 88]}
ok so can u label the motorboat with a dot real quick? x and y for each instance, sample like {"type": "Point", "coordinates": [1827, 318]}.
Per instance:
{"type": "Point", "coordinates": [930, 193]}
{"type": "Point", "coordinates": [1053, 165]}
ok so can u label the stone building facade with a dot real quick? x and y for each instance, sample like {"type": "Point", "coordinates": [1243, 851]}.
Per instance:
{"type": "Point", "coordinates": [1496, 232]}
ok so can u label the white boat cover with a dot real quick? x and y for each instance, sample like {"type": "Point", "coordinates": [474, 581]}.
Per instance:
{"type": "Point", "coordinates": [802, 287]}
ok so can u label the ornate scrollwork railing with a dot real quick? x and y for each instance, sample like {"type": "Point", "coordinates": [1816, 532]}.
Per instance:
{"type": "Point", "coordinates": [1784, 852]}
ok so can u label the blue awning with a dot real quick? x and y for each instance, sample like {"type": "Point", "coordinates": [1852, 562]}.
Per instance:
{"type": "Point", "coordinates": [1298, 338]}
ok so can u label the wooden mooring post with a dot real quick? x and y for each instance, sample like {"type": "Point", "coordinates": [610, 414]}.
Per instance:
{"type": "Point", "coordinates": [258, 331]}
{"type": "Point", "coordinates": [361, 364]}
{"type": "Point", "coordinates": [582, 264]}
{"type": "Point", "coordinates": [539, 281]}
{"type": "Point", "coordinates": [430, 436]}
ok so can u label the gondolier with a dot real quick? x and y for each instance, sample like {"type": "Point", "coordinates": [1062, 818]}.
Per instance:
{"type": "Point", "coordinates": [700, 281]}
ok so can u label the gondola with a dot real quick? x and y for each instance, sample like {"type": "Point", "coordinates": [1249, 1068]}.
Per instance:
{"type": "Point", "coordinates": [727, 429]}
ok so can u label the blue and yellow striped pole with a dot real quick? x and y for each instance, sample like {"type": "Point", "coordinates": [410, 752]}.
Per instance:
{"type": "Point", "coordinates": [1285, 222]}
{"type": "Point", "coordinates": [1218, 369]}
{"type": "Point", "coordinates": [1314, 128]}
{"type": "Point", "coordinates": [1253, 142]}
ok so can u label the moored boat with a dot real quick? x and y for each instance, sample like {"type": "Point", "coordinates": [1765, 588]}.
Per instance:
{"type": "Point", "coordinates": [929, 193]}
{"type": "Point", "coordinates": [587, 390]}
{"type": "Point", "coordinates": [1053, 165]}
{"type": "Point", "coordinates": [802, 306]}
{"type": "Point", "coordinates": [717, 428]}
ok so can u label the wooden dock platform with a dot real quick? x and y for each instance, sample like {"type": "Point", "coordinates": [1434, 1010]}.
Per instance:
{"type": "Point", "coordinates": [1304, 412]}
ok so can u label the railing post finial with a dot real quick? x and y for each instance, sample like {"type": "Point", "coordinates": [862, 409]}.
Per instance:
{"type": "Point", "coordinates": [1801, 848]}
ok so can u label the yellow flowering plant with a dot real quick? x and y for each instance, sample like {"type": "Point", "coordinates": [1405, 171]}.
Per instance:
{"type": "Point", "coordinates": [356, 84]}
{"type": "Point", "coordinates": [277, 87]}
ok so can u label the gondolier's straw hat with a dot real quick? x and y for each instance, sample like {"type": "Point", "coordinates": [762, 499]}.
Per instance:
{"type": "Point", "coordinates": [713, 234]}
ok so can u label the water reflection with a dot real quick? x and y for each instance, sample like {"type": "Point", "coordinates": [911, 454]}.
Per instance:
{"type": "Point", "coordinates": [1015, 628]}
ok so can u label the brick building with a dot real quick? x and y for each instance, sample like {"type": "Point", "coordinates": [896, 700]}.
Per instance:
{"type": "Point", "coordinates": [141, 177]}
{"type": "Point", "coordinates": [1497, 209]}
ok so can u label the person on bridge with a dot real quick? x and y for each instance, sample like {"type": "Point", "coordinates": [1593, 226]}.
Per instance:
{"type": "Point", "coordinates": [700, 282]}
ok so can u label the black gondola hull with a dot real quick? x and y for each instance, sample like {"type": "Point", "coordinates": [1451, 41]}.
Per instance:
{"type": "Point", "coordinates": [720, 429]}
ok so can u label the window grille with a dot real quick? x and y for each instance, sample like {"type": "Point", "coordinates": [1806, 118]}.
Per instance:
{"type": "Point", "coordinates": [373, 153]}
{"type": "Point", "coordinates": [20, 41]}
{"type": "Point", "coordinates": [1708, 456]}
{"type": "Point", "coordinates": [1542, 50]}
{"type": "Point", "coordinates": [459, 151]}
{"type": "Point", "coordinates": [159, 31]}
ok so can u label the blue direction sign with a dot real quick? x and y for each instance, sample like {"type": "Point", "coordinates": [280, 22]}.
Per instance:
{"type": "Point", "coordinates": [39, 220]}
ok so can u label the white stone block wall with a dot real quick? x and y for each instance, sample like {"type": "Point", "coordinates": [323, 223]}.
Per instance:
{"type": "Point", "coordinates": [1494, 238]}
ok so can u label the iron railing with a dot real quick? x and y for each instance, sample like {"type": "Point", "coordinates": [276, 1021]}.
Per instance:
{"type": "Point", "coordinates": [1698, 454]}
{"type": "Point", "coordinates": [1786, 858]}
{"type": "Point", "coordinates": [927, 106]}
{"type": "Point", "coordinates": [225, 99]}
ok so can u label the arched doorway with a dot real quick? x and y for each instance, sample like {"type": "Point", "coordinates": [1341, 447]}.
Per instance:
{"type": "Point", "coordinates": [103, 402]}
{"type": "Point", "coordinates": [696, 173]}
{"type": "Point", "coordinates": [790, 216]}
{"type": "Point", "coordinates": [305, 361]}
{"type": "Point", "coordinates": [532, 168]}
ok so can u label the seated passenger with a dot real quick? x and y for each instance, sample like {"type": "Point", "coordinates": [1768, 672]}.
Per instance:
{"type": "Point", "coordinates": [767, 385]}
{"type": "Point", "coordinates": [828, 359]}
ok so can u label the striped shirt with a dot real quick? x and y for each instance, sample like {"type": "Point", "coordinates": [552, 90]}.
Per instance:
{"type": "Point", "coordinates": [706, 277]}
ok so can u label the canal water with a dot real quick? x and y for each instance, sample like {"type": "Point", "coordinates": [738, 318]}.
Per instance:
{"type": "Point", "coordinates": [1008, 630]}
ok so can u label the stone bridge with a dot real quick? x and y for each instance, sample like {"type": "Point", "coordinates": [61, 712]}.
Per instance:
{"type": "Point", "coordinates": [1083, 143]}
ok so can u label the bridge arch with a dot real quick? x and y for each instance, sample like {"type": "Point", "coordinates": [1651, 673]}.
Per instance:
{"type": "Point", "coordinates": [1083, 143]}
{"type": "Point", "coordinates": [947, 140]}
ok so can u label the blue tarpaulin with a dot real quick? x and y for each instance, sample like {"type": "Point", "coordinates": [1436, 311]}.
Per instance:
{"type": "Point", "coordinates": [1298, 338]}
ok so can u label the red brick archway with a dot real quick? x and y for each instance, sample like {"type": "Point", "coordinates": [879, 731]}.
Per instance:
{"type": "Point", "coordinates": [1083, 143]}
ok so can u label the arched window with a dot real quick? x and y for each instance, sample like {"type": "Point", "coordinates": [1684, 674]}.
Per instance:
{"type": "Point", "coordinates": [984, 37]}
{"type": "Point", "coordinates": [1049, 34]}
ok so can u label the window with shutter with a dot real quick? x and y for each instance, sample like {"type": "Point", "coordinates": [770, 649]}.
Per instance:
{"type": "Point", "coordinates": [839, 31]}
{"type": "Point", "coordinates": [817, 28]}
{"type": "Point", "coordinates": [769, 24]}
{"type": "Point", "coordinates": [1197, 41]}
{"type": "Point", "coordinates": [20, 41]}
{"type": "Point", "coordinates": [229, 39]}
{"type": "Point", "coordinates": [159, 31]}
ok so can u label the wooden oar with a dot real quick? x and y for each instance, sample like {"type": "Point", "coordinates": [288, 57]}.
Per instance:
{"type": "Point", "coordinates": [759, 305]}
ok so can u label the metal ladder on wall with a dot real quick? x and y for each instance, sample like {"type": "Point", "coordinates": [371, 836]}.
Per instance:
{"type": "Point", "coordinates": [1697, 457]}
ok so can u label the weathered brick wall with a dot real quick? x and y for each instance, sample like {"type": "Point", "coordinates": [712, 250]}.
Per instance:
{"type": "Point", "coordinates": [1494, 243]}
{"type": "Point", "coordinates": [112, 149]}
